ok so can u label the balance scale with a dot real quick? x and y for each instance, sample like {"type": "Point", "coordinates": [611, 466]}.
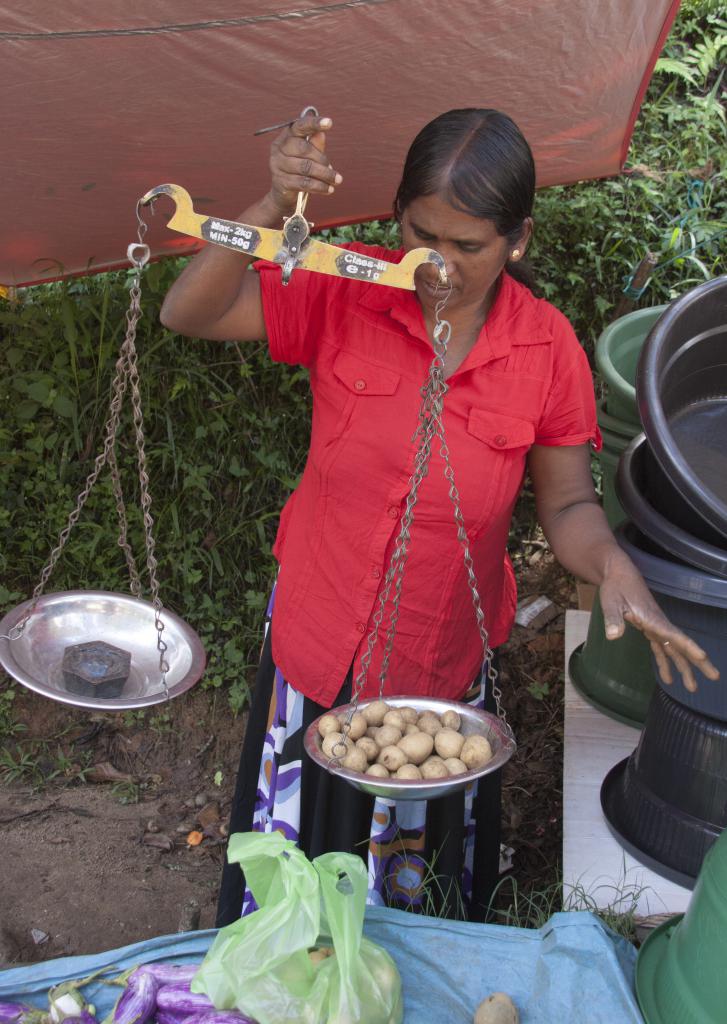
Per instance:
{"type": "Point", "coordinates": [101, 650]}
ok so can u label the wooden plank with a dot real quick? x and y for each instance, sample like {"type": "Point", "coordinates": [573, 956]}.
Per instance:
{"type": "Point", "coordinates": [596, 869]}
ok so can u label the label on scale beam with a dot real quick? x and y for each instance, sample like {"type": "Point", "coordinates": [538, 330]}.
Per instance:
{"type": "Point", "coordinates": [230, 234]}
{"type": "Point", "coordinates": [353, 264]}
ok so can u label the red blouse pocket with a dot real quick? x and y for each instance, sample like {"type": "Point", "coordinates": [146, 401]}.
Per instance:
{"type": "Point", "coordinates": [501, 432]}
{"type": "Point", "coordinates": [363, 378]}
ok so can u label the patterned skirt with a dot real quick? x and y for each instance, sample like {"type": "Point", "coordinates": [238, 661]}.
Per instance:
{"type": "Point", "coordinates": [438, 857]}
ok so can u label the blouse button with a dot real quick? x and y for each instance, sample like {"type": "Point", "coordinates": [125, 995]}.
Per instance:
{"type": "Point", "coordinates": [376, 573]}
{"type": "Point", "coordinates": [393, 512]}
{"type": "Point", "coordinates": [500, 440]}
{"type": "Point", "coordinates": [360, 627]}
{"type": "Point", "coordinates": [360, 385]}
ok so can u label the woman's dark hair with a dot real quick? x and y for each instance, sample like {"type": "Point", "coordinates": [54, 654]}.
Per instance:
{"type": "Point", "coordinates": [480, 162]}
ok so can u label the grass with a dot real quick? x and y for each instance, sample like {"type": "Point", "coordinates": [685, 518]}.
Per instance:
{"type": "Point", "coordinates": [615, 903]}
{"type": "Point", "coordinates": [435, 895]}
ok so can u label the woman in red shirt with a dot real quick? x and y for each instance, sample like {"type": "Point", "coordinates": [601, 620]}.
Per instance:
{"type": "Point", "coordinates": [519, 397]}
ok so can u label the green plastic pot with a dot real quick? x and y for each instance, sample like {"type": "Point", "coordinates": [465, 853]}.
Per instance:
{"type": "Point", "coordinates": [615, 676]}
{"type": "Point", "coordinates": [680, 971]}
{"type": "Point", "coordinates": [617, 355]}
{"type": "Point", "coordinates": [617, 435]}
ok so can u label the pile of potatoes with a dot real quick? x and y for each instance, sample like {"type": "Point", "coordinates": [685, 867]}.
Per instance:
{"type": "Point", "coordinates": [402, 743]}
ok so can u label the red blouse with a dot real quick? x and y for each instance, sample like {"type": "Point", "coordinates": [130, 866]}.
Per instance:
{"type": "Point", "coordinates": [526, 381]}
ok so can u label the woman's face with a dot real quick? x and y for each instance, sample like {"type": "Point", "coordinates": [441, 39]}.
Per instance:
{"type": "Point", "coordinates": [474, 253]}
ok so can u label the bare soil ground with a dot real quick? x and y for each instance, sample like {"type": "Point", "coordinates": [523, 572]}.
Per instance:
{"type": "Point", "coordinates": [96, 809]}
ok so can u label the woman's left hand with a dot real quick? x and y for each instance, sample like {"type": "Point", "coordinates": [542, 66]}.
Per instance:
{"type": "Point", "coordinates": [626, 598]}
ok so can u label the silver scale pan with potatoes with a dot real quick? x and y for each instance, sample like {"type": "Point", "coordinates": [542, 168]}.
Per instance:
{"type": "Point", "coordinates": [110, 651]}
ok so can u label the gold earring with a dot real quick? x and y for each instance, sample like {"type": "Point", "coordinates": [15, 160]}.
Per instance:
{"type": "Point", "coordinates": [515, 255]}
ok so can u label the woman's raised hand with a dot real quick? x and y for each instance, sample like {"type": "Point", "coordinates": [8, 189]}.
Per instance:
{"type": "Point", "coordinates": [298, 162]}
{"type": "Point", "coordinates": [626, 598]}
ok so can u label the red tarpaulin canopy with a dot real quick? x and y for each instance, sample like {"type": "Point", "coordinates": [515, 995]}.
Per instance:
{"type": "Point", "coordinates": [100, 102]}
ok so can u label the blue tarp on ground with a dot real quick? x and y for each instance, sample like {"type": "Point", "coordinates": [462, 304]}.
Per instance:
{"type": "Point", "coordinates": [572, 969]}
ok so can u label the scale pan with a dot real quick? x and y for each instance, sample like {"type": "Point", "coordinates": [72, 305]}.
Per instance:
{"type": "Point", "coordinates": [473, 721]}
{"type": "Point", "coordinates": [71, 617]}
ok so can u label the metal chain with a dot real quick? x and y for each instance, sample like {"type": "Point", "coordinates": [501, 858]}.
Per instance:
{"type": "Point", "coordinates": [132, 317]}
{"type": "Point", "coordinates": [430, 426]}
{"type": "Point", "coordinates": [126, 375]}
{"type": "Point", "coordinates": [134, 579]}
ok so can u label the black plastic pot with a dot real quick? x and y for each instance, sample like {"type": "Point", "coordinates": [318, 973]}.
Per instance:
{"type": "Point", "coordinates": [667, 803]}
{"type": "Point", "coordinates": [668, 501]}
{"type": "Point", "coordinates": [681, 389]}
{"type": "Point", "coordinates": [634, 493]}
{"type": "Point", "coordinates": [696, 602]}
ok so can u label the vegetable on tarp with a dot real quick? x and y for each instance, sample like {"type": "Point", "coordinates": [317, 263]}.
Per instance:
{"type": "Point", "coordinates": [67, 1004]}
{"type": "Point", "coordinates": [213, 1017]}
{"type": "Point", "coordinates": [177, 998]}
{"type": "Point", "coordinates": [168, 974]}
{"type": "Point", "coordinates": [138, 1002]}
{"type": "Point", "coordinates": [17, 1013]}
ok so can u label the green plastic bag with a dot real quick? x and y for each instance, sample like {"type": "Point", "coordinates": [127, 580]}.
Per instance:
{"type": "Point", "coordinates": [260, 964]}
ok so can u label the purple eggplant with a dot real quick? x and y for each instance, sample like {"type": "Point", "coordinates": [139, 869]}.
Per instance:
{"type": "Point", "coordinates": [84, 1017]}
{"type": "Point", "coordinates": [218, 1017]}
{"type": "Point", "coordinates": [10, 1012]}
{"type": "Point", "coordinates": [138, 1002]}
{"type": "Point", "coordinates": [176, 998]}
{"type": "Point", "coordinates": [17, 1013]}
{"type": "Point", "coordinates": [203, 1017]}
{"type": "Point", "coordinates": [168, 974]}
{"type": "Point", "coordinates": [164, 1017]}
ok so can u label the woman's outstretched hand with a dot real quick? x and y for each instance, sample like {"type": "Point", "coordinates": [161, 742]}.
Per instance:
{"type": "Point", "coordinates": [626, 598]}
{"type": "Point", "coordinates": [298, 163]}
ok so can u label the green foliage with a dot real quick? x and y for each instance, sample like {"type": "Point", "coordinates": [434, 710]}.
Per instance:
{"type": "Point", "coordinates": [9, 726]}
{"type": "Point", "coordinates": [227, 430]}
{"type": "Point", "coordinates": [590, 237]}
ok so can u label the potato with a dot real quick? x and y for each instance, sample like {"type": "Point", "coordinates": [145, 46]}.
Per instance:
{"type": "Point", "coordinates": [476, 752]}
{"type": "Point", "coordinates": [370, 747]}
{"type": "Point", "coordinates": [355, 760]}
{"type": "Point", "coordinates": [455, 766]}
{"type": "Point", "coordinates": [371, 731]}
{"type": "Point", "coordinates": [497, 1009]}
{"type": "Point", "coordinates": [321, 953]}
{"type": "Point", "coordinates": [387, 736]}
{"type": "Point", "coordinates": [329, 723]}
{"type": "Point", "coordinates": [408, 714]}
{"type": "Point", "coordinates": [407, 771]}
{"type": "Point", "coordinates": [410, 728]}
{"type": "Point", "coordinates": [448, 743]}
{"type": "Point", "coordinates": [396, 719]}
{"type": "Point", "coordinates": [434, 768]}
{"type": "Point", "coordinates": [451, 720]}
{"type": "Point", "coordinates": [417, 747]}
{"type": "Point", "coordinates": [358, 726]}
{"type": "Point", "coordinates": [378, 771]}
{"type": "Point", "coordinates": [374, 713]}
{"type": "Point", "coordinates": [429, 722]}
{"type": "Point", "coordinates": [332, 740]}
{"type": "Point", "coordinates": [392, 758]}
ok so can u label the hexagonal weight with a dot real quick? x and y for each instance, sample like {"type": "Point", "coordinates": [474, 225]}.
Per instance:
{"type": "Point", "coordinates": [95, 669]}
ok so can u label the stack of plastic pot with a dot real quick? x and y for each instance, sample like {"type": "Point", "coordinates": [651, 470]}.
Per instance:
{"type": "Point", "coordinates": [618, 350]}
{"type": "Point", "coordinates": [617, 676]}
{"type": "Point", "coordinates": [680, 970]}
{"type": "Point", "coordinates": [667, 803]}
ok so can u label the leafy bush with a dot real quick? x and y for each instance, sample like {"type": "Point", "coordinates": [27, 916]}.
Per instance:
{"type": "Point", "coordinates": [228, 430]}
